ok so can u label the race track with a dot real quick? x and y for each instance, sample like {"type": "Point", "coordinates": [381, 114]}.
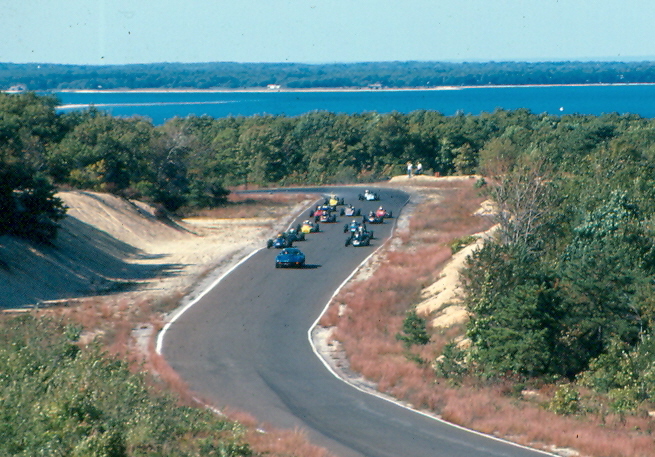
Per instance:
{"type": "Point", "coordinates": [244, 346]}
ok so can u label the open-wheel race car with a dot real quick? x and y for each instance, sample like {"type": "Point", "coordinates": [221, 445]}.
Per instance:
{"type": "Point", "coordinates": [333, 200]}
{"type": "Point", "coordinates": [290, 257]}
{"type": "Point", "coordinates": [328, 217]}
{"type": "Point", "coordinates": [353, 226]}
{"type": "Point", "coordinates": [323, 213]}
{"type": "Point", "coordinates": [372, 218]}
{"type": "Point", "coordinates": [294, 234]}
{"type": "Point", "coordinates": [381, 212]}
{"type": "Point", "coordinates": [350, 210]}
{"type": "Point", "coordinates": [369, 196]}
{"type": "Point", "coordinates": [308, 226]}
{"type": "Point", "coordinates": [360, 238]}
{"type": "Point", "coordinates": [281, 241]}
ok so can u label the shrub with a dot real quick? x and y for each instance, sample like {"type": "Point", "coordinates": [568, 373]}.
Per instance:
{"type": "Point", "coordinates": [414, 330]}
{"type": "Point", "coordinates": [460, 243]}
{"type": "Point", "coordinates": [451, 364]}
{"type": "Point", "coordinates": [566, 400]}
{"type": "Point", "coordinates": [59, 399]}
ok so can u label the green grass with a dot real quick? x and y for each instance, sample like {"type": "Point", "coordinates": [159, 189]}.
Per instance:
{"type": "Point", "coordinates": [57, 398]}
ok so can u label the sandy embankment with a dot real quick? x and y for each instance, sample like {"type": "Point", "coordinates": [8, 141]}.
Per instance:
{"type": "Point", "coordinates": [107, 244]}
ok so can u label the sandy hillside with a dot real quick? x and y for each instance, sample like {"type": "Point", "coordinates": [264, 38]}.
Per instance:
{"type": "Point", "coordinates": [107, 244]}
{"type": "Point", "coordinates": [442, 300]}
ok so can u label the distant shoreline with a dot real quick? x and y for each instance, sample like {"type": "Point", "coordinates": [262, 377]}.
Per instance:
{"type": "Point", "coordinates": [337, 89]}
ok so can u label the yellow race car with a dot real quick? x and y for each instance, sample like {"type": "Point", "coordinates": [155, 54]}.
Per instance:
{"type": "Point", "coordinates": [333, 200]}
{"type": "Point", "coordinates": [308, 227]}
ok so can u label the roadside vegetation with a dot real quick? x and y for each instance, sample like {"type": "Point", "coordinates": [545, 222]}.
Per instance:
{"type": "Point", "coordinates": [374, 320]}
{"type": "Point", "coordinates": [561, 302]}
{"type": "Point", "coordinates": [60, 399]}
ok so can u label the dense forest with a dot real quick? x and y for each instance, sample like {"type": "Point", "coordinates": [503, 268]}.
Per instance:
{"type": "Point", "coordinates": [231, 75]}
{"type": "Point", "coordinates": [565, 293]}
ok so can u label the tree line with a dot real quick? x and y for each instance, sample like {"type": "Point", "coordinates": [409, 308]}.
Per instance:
{"type": "Point", "coordinates": [232, 75]}
{"type": "Point", "coordinates": [565, 291]}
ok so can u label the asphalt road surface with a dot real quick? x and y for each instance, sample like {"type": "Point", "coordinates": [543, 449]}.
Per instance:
{"type": "Point", "coordinates": [245, 346]}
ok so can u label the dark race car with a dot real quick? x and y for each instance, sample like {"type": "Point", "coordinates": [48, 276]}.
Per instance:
{"type": "Point", "coordinates": [290, 257]}
{"type": "Point", "coordinates": [328, 217]}
{"type": "Point", "coordinates": [324, 213]}
{"type": "Point", "coordinates": [353, 226]}
{"type": "Point", "coordinates": [350, 210]}
{"type": "Point", "coordinates": [372, 218]}
{"type": "Point", "coordinates": [281, 241]}
{"type": "Point", "coordinates": [360, 238]}
{"type": "Point", "coordinates": [369, 196]}
{"type": "Point", "coordinates": [294, 234]}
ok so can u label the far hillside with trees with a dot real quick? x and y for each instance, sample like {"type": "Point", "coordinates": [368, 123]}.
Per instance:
{"type": "Point", "coordinates": [233, 75]}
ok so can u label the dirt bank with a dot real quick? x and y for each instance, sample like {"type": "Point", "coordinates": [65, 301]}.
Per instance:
{"type": "Point", "coordinates": [108, 245]}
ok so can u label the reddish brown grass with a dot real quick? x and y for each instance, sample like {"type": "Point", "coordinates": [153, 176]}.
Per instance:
{"type": "Point", "coordinates": [284, 443]}
{"type": "Point", "coordinates": [267, 440]}
{"type": "Point", "coordinates": [157, 364]}
{"type": "Point", "coordinates": [374, 314]}
{"type": "Point", "coordinates": [254, 205]}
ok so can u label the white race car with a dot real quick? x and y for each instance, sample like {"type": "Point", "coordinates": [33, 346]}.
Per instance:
{"type": "Point", "coordinates": [369, 196]}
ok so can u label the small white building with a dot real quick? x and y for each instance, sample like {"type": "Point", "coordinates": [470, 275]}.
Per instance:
{"type": "Point", "coordinates": [17, 89]}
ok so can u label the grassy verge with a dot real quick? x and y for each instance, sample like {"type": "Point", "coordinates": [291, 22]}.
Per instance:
{"type": "Point", "coordinates": [367, 316]}
{"type": "Point", "coordinates": [263, 205]}
{"type": "Point", "coordinates": [61, 398]}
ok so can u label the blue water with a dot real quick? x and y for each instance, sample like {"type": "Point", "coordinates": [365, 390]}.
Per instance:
{"type": "Point", "coordinates": [159, 107]}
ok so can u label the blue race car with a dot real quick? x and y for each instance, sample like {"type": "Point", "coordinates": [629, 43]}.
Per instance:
{"type": "Point", "coordinates": [281, 241]}
{"type": "Point", "coordinates": [354, 226]}
{"type": "Point", "coordinates": [290, 257]}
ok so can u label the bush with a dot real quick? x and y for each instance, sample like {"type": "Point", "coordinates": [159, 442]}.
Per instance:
{"type": "Point", "coordinates": [460, 243]}
{"type": "Point", "coordinates": [566, 400]}
{"type": "Point", "coordinates": [414, 330]}
{"type": "Point", "coordinates": [451, 365]}
{"type": "Point", "coordinates": [59, 399]}
{"type": "Point", "coordinates": [28, 205]}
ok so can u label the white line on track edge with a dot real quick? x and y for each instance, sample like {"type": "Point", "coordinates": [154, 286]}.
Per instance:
{"type": "Point", "coordinates": [160, 338]}
{"type": "Point", "coordinates": [379, 394]}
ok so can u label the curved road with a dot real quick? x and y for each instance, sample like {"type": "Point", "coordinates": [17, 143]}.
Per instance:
{"type": "Point", "coordinates": [244, 346]}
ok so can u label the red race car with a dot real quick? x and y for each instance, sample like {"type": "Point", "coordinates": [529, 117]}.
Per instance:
{"type": "Point", "coordinates": [324, 214]}
{"type": "Point", "coordinates": [381, 212]}
{"type": "Point", "coordinates": [372, 218]}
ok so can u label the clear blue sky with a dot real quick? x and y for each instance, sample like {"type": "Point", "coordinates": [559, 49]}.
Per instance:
{"type": "Point", "coordinates": [320, 31]}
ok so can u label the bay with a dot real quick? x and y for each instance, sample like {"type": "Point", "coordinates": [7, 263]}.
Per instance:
{"type": "Point", "coordinates": [555, 100]}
